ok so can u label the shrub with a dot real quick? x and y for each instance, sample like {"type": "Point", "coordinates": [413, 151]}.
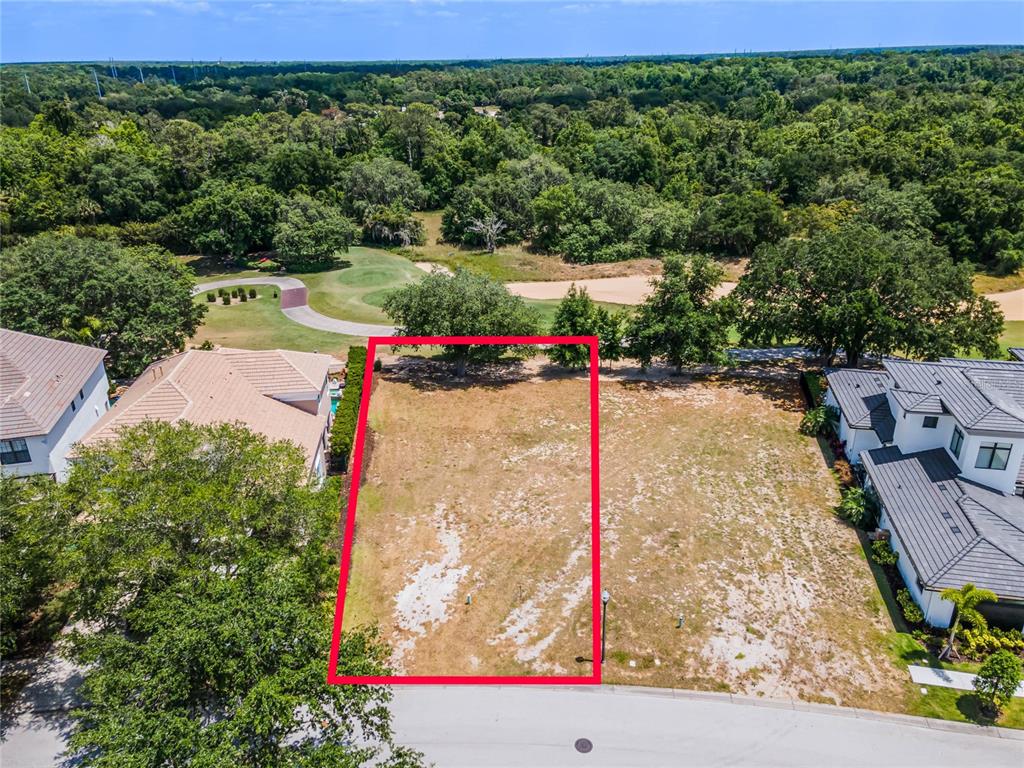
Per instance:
{"type": "Point", "coordinates": [343, 430]}
{"type": "Point", "coordinates": [242, 296]}
{"type": "Point", "coordinates": [819, 421]}
{"type": "Point", "coordinates": [252, 293]}
{"type": "Point", "coordinates": [857, 508]}
{"type": "Point", "coordinates": [911, 612]}
{"type": "Point", "coordinates": [979, 643]}
{"type": "Point", "coordinates": [882, 552]}
{"type": "Point", "coordinates": [997, 680]}
{"type": "Point", "coordinates": [844, 473]}
{"type": "Point", "coordinates": [275, 294]}
{"type": "Point", "coordinates": [234, 293]}
{"type": "Point", "coordinates": [226, 299]}
{"type": "Point", "coordinates": [222, 292]}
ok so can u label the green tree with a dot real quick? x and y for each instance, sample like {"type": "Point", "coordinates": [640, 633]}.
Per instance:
{"type": "Point", "coordinates": [681, 321]}
{"type": "Point", "coordinates": [966, 601]}
{"type": "Point", "coordinates": [577, 315]}
{"type": "Point", "coordinates": [228, 219]}
{"type": "Point", "coordinates": [136, 302]}
{"type": "Point", "coordinates": [998, 679]}
{"type": "Point", "coordinates": [204, 563]}
{"type": "Point", "coordinates": [381, 181]}
{"type": "Point", "coordinates": [32, 526]}
{"type": "Point", "coordinates": [463, 304]}
{"type": "Point", "coordinates": [309, 233]}
{"type": "Point", "coordinates": [856, 288]}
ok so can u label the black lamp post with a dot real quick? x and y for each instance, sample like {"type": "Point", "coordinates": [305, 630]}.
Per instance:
{"type": "Point", "coordinates": [605, 597]}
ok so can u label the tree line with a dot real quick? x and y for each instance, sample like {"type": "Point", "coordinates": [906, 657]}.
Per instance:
{"type": "Point", "coordinates": [593, 163]}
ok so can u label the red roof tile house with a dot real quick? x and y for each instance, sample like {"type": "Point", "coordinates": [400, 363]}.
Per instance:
{"type": "Point", "coordinates": [278, 393]}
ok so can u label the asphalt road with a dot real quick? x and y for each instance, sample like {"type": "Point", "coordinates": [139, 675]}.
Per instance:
{"type": "Point", "coordinates": [537, 727]}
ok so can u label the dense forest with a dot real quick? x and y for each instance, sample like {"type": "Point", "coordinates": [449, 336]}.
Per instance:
{"type": "Point", "coordinates": [593, 162]}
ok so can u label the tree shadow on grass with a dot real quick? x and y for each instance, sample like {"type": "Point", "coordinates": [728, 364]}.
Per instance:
{"type": "Point", "coordinates": [971, 707]}
{"type": "Point", "coordinates": [438, 374]}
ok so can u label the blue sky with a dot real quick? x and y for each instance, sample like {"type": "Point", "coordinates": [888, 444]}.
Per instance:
{"type": "Point", "coordinates": [73, 30]}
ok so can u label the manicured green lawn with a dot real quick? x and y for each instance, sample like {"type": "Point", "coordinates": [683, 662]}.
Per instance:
{"type": "Point", "coordinates": [354, 292]}
{"type": "Point", "coordinates": [358, 291]}
{"type": "Point", "coordinates": [260, 324]}
{"type": "Point", "coordinates": [546, 308]}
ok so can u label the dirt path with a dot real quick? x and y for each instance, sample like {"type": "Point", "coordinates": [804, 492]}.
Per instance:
{"type": "Point", "coordinates": [1011, 302]}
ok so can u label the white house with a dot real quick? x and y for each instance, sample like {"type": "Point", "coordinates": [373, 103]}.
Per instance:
{"type": "Point", "coordinates": [51, 393]}
{"type": "Point", "coordinates": [279, 393]}
{"type": "Point", "coordinates": [942, 446]}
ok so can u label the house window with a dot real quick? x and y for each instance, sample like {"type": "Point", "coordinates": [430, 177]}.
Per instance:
{"type": "Point", "coordinates": [994, 456]}
{"type": "Point", "coordinates": [931, 422]}
{"type": "Point", "coordinates": [73, 409]}
{"type": "Point", "coordinates": [81, 394]}
{"type": "Point", "coordinates": [957, 442]}
{"type": "Point", "coordinates": [14, 452]}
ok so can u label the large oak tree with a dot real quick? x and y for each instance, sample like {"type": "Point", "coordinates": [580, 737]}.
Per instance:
{"type": "Point", "coordinates": [861, 290]}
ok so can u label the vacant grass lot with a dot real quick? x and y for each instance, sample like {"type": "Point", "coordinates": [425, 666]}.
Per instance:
{"type": "Point", "coordinates": [716, 510]}
{"type": "Point", "coordinates": [472, 539]}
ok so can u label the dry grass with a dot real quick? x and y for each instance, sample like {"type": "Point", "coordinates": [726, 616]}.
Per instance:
{"type": "Point", "coordinates": [476, 491]}
{"type": "Point", "coordinates": [715, 508]}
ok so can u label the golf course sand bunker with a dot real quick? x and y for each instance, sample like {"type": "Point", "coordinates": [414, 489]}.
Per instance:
{"type": "Point", "coordinates": [472, 528]}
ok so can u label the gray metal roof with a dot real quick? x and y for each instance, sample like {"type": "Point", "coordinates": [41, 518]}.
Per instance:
{"type": "Point", "coordinates": [861, 398]}
{"type": "Point", "coordinates": [985, 395]}
{"type": "Point", "coordinates": [953, 530]}
{"type": "Point", "coordinates": [1017, 352]}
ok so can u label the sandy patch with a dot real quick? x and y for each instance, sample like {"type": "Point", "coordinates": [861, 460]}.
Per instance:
{"type": "Point", "coordinates": [1011, 302]}
{"type": "Point", "coordinates": [430, 266]}
{"type": "Point", "coordinates": [613, 290]}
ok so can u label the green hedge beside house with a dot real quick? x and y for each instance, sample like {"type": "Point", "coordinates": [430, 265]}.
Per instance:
{"type": "Point", "coordinates": [343, 430]}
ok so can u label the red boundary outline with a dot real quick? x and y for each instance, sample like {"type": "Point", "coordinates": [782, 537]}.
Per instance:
{"type": "Point", "coordinates": [595, 537]}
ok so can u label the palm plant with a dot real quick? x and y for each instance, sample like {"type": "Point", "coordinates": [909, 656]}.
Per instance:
{"type": "Point", "coordinates": [966, 601]}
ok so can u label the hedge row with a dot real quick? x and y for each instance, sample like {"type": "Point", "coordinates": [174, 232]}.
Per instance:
{"type": "Point", "coordinates": [343, 431]}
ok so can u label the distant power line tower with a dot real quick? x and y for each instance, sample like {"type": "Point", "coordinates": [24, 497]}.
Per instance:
{"type": "Point", "coordinates": [96, 79]}
{"type": "Point", "coordinates": [142, 77]}
{"type": "Point", "coordinates": [28, 87]}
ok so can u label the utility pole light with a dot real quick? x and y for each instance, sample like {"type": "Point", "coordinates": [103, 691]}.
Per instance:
{"type": "Point", "coordinates": [605, 597]}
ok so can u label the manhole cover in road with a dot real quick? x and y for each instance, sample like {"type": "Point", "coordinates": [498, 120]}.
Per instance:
{"type": "Point", "coordinates": [583, 745]}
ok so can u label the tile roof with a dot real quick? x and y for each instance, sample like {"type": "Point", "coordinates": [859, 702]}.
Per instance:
{"type": "Point", "coordinates": [980, 394]}
{"type": "Point", "coordinates": [1017, 352]}
{"type": "Point", "coordinates": [39, 377]}
{"type": "Point", "coordinates": [226, 385]}
{"type": "Point", "coordinates": [861, 397]}
{"type": "Point", "coordinates": [953, 530]}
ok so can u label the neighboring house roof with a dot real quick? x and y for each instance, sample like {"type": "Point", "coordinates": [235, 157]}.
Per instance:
{"type": "Point", "coordinates": [224, 386]}
{"type": "Point", "coordinates": [39, 377]}
{"type": "Point", "coordinates": [1017, 352]}
{"type": "Point", "coordinates": [985, 394]}
{"type": "Point", "coordinates": [953, 530]}
{"type": "Point", "coordinates": [861, 398]}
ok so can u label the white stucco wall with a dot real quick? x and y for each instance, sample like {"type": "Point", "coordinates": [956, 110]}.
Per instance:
{"type": "Point", "coordinates": [857, 440]}
{"type": "Point", "coordinates": [912, 436]}
{"type": "Point", "coordinates": [937, 612]}
{"type": "Point", "coordinates": [1000, 479]}
{"type": "Point", "coordinates": [49, 452]}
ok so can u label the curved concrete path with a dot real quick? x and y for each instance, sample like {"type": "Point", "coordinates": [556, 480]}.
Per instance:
{"type": "Point", "coordinates": [294, 304]}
